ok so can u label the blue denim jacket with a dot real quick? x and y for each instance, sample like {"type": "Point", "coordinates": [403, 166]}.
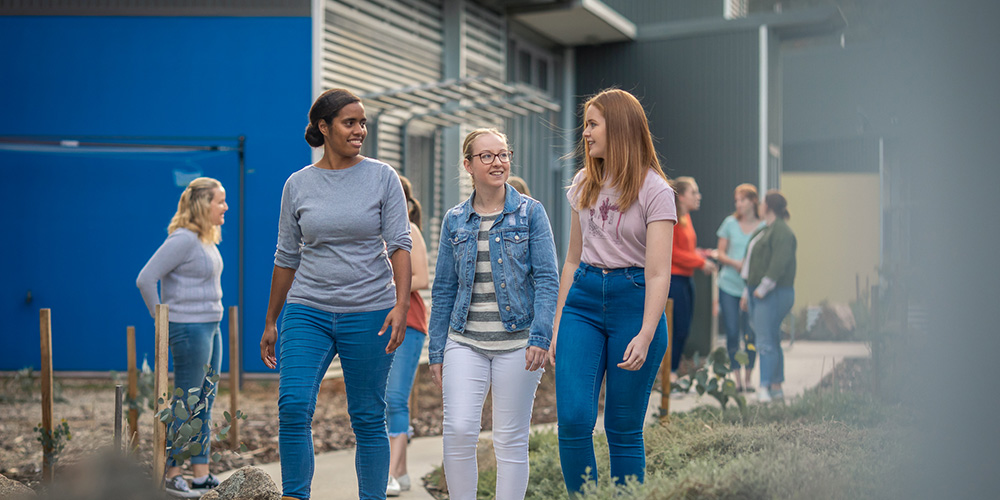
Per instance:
{"type": "Point", "coordinates": [525, 273]}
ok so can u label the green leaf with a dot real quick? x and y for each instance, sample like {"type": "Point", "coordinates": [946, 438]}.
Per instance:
{"type": "Point", "coordinates": [196, 423]}
{"type": "Point", "coordinates": [742, 358]}
{"type": "Point", "coordinates": [229, 417]}
{"type": "Point", "coordinates": [166, 417]}
{"type": "Point", "coordinates": [215, 379]}
{"type": "Point", "coordinates": [225, 430]}
{"type": "Point", "coordinates": [178, 392]}
{"type": "Point", "coordinates": [180, 412]}
{"type": "Point", "coordinates": [159, 401]}
{"type": "Point", "coordinates": [216, 457]}
{"type": "Point", "coordinates": [729, 388]}
{"type": "Point", "coordinates": [186, 430]}
{"type": "Point", "coordinates": [194, 449]}
{"type": "Point", "coordinates": [243, 448]}
{"type": "Point", "coordinates": [700, 389]}
{"type": "Point", "coordinates": [192, 400]}
{"type": "Point", "coordinates": [194, 390]}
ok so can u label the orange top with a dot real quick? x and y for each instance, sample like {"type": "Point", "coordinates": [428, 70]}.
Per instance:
{"type": "Point", "coordinates": [685, 259]}
{"type": "Point", "coordinates": [416, 317]}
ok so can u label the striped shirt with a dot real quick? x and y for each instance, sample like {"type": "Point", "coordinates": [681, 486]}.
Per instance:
{"type": "Point", "coordinates": [484, 331]}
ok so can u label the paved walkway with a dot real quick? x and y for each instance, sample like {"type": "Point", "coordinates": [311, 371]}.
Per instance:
{"type": "Point", "coordinates": [805, 363]}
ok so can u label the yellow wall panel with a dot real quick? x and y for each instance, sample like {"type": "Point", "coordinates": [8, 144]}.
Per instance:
{"type": "Point", "coordinates": [836, 219]}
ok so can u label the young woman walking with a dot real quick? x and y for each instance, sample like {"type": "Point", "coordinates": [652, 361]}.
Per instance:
{"type": "Point", "coordinates": [493, 300]}
{"type": "Point", "coordinates": [342, 273]}
{"type": "Point", "coordinates": [613, 290]}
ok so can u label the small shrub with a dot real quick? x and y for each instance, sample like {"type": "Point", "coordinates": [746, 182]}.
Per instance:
{"type": "Point", "coordinates": [54, 442]}
{"type": "Point", "coordinates": [183, 428]}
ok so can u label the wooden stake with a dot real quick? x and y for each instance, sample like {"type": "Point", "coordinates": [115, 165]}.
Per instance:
{"type": "Point", "coordinates": [160, 392]}
{"type": "Point", "coordinates": [665, 364]}
{"type": "Point", "coordinates": [235, 356]}
{"type": "Point", "coordinates": [45, 325]}
{"type": "Point", "coordinates": [133, 388]}
{"type": "Point", "coordinates": [118, 418]}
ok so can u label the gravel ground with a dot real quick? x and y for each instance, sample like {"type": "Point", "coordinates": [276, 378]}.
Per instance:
{"type": "Point", "coordinates": [88, 407]}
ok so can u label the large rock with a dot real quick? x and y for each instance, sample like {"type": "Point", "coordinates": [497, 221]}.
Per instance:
{"type": "Point", "coordinates": [247, 483]}
{"type": "Point", "coordinates": [13, 490]}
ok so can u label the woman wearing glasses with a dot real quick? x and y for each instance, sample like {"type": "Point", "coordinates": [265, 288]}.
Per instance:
{"type": "Point", "coordinates": [493, 301]}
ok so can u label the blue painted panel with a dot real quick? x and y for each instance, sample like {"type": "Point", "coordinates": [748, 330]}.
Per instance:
{"type": "Point", "coordinates": [162, 76]}
{"type": "Point", "coordinates": [88, 223]}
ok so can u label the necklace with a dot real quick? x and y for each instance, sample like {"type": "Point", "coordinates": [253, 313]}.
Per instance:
{"type": "Point", "coordinates": [497, 209]}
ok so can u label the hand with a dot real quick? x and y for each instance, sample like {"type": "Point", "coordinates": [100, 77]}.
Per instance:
{"type": "Point", "coordinates": [758, 293]}
{"type": "Point", "coordinates": [552, 351]}
{"type": "Point", "coordinates": [713, 253]}
{"type": "Point", "coordinates": [267, 341]}
{"type": "Point", "coordinates": [635, 353]}
{"type": "Point", "coordinates": [744, 303]}
{"type": "Point", "coordinates": [708, 267]}
{"type": "Point", "coordinates": [436, 374]}
{"type": "Point", "coordinates": [715, 308]}
{"type": "Point", "coordinates": [397, 319]}
{"type": "Point", "coordinates": [534, 358]}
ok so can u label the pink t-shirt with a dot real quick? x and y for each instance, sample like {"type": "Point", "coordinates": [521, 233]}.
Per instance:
{"type": "Point", "coordinates": [614, 239]}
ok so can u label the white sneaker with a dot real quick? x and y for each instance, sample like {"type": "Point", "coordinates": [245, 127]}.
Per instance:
{"type": "Point", "coordinates": [392, 488]}
{"type": "Point", "coordinates": [404, 482]}
{"type": "Point", "coordinates": [763, 395]}
{"type": "Point", "coordinates": [178, 486]}
{"type": "Point", "coordinates": [778, 394]}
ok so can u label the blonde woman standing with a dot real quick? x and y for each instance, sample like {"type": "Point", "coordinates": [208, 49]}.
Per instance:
{"type": "Point", "coordinates": [188, 267]}
{"type": "Point", "coordinates": [734, 235]}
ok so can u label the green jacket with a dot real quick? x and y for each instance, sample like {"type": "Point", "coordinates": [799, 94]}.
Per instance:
{"type": "Point", "coordinates": [773, 255]}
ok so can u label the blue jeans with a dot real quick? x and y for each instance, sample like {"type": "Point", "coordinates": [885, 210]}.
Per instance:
{"type": "Point", "coordinates": [765, 318]}
{"type": "Point", "coordinates": [309, 340]}
{"type": "Point", "coordinates": [737, 325]}
{"type": "Point", "coordinates": [682, 291]}
{"type": "Point", "coordinates": [602, 314]}
{"type": "Point", "coordinates": [194, 346]}
{"type": "Point", "coordinates": [401, 376]}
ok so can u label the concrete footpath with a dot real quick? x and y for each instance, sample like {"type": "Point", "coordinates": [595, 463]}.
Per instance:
{"type": "Point", "coordinates": [805, 363]}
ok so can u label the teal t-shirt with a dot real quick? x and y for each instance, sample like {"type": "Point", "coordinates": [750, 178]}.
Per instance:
{"type": "Point", "coordinates": [729, 278]}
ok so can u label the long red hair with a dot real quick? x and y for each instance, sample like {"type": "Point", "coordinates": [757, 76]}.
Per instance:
{"type": "Point", "coordinates": [629, 154]}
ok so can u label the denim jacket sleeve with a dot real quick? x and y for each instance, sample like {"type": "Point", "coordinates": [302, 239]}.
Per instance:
{"type": "Point", "coordinates": [443, 293]}
{"type": "Point", "coordinates": [545, 273]}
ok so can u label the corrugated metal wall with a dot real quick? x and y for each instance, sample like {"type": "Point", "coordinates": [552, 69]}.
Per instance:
{"type": "Point", "coordinates": [701, 95]}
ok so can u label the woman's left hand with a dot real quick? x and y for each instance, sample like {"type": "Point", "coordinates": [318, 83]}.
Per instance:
{"type": "Point", "coordinates": [635, 353]}
{"type": "Point", "coordinates": [397, 320]}
{"type": "Point", "coordinates": [534, 358]}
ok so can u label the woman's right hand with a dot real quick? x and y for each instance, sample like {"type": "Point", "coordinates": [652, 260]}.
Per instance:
{"type": "Point", "coordinates": [436, 374]}
{"type": "Point", "coordinates": [744, 303]}
{"type": "Point", "coordinates": [267, 342]}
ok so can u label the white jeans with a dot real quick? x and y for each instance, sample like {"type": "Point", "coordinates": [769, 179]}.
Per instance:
{"type": "Point", "coordinates": [467, 376]}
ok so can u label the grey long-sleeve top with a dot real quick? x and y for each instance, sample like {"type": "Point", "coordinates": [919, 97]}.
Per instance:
{"type": "Point", "coordinates": [337, 229]}
{"type": "Point", "coordinates": [189, 272]}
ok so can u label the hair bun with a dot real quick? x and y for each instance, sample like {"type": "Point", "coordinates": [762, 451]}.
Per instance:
{"type": "Point", "coordinates": [313, 136]}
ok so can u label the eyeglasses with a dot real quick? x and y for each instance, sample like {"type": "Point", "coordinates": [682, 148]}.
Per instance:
{"type": "Point", "coordinates": [487, 158]}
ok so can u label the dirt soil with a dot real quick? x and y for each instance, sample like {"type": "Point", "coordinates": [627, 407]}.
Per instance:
{"type": "Point", "coordinates": [88, 407]}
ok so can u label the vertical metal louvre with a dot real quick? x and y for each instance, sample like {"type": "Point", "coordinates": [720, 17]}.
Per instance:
{"type": "Point", "coordinates": [485, 42]}
{"type": "Point", "coordinates": [378, 45]}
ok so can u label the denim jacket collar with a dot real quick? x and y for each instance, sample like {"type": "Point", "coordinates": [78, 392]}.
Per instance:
{"type": "Point", "coordinates": [512, 200]}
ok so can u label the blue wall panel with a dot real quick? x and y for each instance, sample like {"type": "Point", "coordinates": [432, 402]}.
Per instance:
{"type": "Point", "coordinates": [141, 76]}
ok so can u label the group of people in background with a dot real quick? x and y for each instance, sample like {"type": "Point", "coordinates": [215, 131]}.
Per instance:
{"type": "Point", "coordinates": [351, 261]}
